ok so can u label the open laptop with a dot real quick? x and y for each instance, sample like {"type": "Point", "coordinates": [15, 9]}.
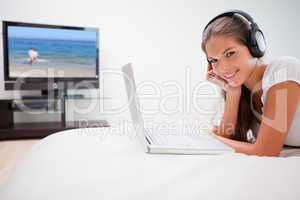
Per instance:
{"type": "Point", "coordinates": [155, 142]}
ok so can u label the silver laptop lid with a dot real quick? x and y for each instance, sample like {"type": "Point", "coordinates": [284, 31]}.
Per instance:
{"type": "Point", "coordinates": [134, 104]}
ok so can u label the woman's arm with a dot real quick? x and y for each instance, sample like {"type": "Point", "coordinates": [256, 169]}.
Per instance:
{"type": "Point", "coordinates": [229, 119]}
{"type": "Point", "coordinates": [281, 104]}
{"type": "Point", "coordinates": [239, 147]}
{"type": "Point", "coordinates": [233, 94]}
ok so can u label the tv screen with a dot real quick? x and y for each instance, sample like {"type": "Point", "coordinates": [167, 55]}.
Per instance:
{"type": "Point", "coordinates": [47, 51]}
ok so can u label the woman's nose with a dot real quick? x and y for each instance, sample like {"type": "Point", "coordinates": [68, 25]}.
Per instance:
{"type": "Point", "coordinates": [215, 70]}
{"type": "Point", "coordinates": [220, 68]}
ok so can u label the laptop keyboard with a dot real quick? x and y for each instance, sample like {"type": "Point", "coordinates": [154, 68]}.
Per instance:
{"type": "Point", "coordinates": [204, 140]}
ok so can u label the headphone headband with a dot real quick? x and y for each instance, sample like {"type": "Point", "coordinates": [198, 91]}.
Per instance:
{"type": "Point", "coordinates": [255, 39]}
{"type": "Point", "coordinates": [231, 13]}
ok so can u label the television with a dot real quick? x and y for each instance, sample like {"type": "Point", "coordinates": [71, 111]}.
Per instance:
{"type": "Point", "coordinates": [36, 53]}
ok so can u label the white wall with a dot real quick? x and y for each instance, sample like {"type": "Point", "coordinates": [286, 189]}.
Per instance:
{"type": "Point", "coordinates": [160, 37]}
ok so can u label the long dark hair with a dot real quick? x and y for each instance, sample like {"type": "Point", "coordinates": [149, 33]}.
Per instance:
{"type": "Point", "coordinates": [236, 27]}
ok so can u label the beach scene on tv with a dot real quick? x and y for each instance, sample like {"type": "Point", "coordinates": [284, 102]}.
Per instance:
{"type": "Point", "coordinates": [51, 52]}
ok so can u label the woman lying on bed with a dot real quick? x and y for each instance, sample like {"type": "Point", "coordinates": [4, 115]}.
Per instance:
{"type": "Point", "coordinates": [260, 97]}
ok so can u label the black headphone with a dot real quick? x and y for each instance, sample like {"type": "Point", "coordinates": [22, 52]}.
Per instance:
{"type": "Point", "coordinates": [255, 39]}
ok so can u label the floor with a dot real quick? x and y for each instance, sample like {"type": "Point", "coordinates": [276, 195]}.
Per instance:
{"type": "Point", "coordinates": [11, 152]}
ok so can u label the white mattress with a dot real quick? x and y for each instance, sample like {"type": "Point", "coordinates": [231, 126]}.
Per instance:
{"type": "Point", "coordinates": [99, 163]}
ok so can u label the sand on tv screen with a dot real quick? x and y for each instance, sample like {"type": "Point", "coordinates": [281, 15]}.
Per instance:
{"type": "Point", "coordinates": [51, 52]}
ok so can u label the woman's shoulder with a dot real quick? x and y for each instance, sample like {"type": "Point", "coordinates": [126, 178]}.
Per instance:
{"type": "Point", "coordinates": [284, 62]}
{"type": "Point", "coordinates": [285, 68]}
{"type": "Point", "coordinates": [282, 69]}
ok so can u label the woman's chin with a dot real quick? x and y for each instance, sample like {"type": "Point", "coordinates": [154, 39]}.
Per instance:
{"type": "Point", "coordinates": [234, 83]}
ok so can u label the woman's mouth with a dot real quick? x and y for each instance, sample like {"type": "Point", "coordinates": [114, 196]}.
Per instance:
{"type": "Point", "coordinates": [229, 76]}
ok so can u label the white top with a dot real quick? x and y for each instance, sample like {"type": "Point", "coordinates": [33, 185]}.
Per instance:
{"type": "Point", "coordinates": [32, 53]}
{"type": "Point", "coordinates": [280, 70]}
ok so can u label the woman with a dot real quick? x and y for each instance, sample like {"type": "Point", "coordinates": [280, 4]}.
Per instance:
{"type": "Point", "coordinates": [33, 55]}
{"type": "Point", "coordinates": [260, 97]}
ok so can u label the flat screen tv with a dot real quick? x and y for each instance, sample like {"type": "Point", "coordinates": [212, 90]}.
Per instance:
{"type": "Point", "coordinates": [36, 52]}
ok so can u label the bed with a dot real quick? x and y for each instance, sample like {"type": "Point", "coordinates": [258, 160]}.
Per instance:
{"type": "Point", "coordinates": [100, 163]}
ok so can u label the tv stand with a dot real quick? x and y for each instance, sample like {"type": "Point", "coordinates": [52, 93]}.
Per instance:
{"type": "Point", "coordinates": [10, 129]}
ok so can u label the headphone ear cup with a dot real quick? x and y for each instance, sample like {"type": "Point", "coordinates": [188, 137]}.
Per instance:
{"type": "Point", "coordinates": [260, 41]}
{"type": "Point", "coordinates": [257, 43]}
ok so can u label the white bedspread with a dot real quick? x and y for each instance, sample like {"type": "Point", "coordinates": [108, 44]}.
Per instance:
{"type": "Point", "coordinates": [89, 164]}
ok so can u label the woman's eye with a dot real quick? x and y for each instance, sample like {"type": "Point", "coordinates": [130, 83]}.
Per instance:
{"type": "Point", "coordinates": [212, 61]}
{"type": "Point", "coordinates": [230, 54]}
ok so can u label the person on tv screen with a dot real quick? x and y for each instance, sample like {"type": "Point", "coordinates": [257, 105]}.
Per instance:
{"type": "Point", "coordinates": [33, 55]}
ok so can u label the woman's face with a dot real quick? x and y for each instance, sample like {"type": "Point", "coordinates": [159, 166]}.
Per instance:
{"type": "Point", "coordinates": [229, 59]}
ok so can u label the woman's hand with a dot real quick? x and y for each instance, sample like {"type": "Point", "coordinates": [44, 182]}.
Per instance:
{"type": "Point", "coordinates": [215, 131]}
{"type": "Point", "coordinates": [229, 119]}
{"type": "Point", "coordinates": [214, 78]}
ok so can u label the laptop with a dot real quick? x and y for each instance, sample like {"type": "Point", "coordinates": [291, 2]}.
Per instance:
{"type": "Point", "coordinates": [160, 142]}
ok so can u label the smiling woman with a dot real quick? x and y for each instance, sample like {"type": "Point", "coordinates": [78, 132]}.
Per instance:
{"type": "Point", "coordinates": [234, 46]}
